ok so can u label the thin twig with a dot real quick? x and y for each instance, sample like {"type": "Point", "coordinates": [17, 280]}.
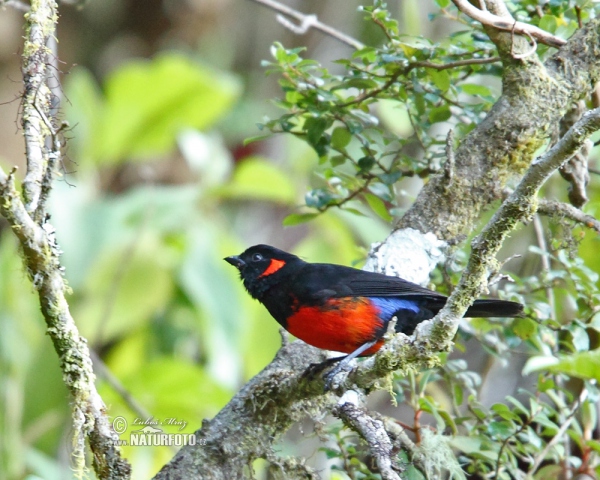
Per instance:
{"type": "Point", "coordinates": [376, 91]}
{"type": "Point", "coordinates": [309, 21]}
{"type": "Point", "coordinates": [539, 234]}
{"type": "Point", "coordinates": [449, 165]}
{"type": "Point", "coordinates": [532, 45]}
{"type": "Point", "coordinates": [456, 64]}
{"type": "Point", "coordinates": [553, 208]}
{"type": "Point", "coordinates": [525, 424]}
{"type": "Point", "coordinates": [500, 23]}
{"type": "Point", "coordinates": [561, 431]}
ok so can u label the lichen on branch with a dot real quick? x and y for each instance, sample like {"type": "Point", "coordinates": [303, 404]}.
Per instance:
{"type": "Point", "coordinates": [41, 253]}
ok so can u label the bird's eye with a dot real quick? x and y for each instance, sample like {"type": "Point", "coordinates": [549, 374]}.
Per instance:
{"type": "Point", "coordinates": [257, 257]}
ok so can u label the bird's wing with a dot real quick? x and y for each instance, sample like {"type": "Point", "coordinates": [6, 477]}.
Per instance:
{"type": "Point", "coordinates": [331, 281]}
{"type": "Point", "coordinates": [370, 284]}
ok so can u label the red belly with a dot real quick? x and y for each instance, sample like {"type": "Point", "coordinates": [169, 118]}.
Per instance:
{"type": "Point", "coordinates": [342, 324]}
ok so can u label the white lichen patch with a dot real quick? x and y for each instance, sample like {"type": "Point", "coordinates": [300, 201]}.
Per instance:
{"type": "Point", "coordinates": [407, 253]}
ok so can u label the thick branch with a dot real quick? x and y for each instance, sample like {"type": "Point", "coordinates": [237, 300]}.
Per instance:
{"type": "Point", "coordinates": [245, 428]}
{"type": "Point", "coordinates": [518, 207]}
{"type": "Point", "coordinates": [373, 432]}
{"type": "Point", "coordinates": [535, 97]}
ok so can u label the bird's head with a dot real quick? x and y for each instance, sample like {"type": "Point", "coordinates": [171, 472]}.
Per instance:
{"type": "Point", "coordinates": [262, 266]}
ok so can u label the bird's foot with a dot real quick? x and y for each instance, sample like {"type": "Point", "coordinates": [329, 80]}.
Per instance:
{"type": "Point", "coordinates": [330, 376]}
{"type": "Point", "coordinates": [314, 369]}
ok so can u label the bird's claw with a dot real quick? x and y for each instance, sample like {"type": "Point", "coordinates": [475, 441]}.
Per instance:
{"type": "Point", "coordinates": [314, 369]}
{"type": "Point", "coordinates": [330, 376]}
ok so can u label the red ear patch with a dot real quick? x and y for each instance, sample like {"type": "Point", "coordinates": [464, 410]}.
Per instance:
{"type": "Point", "coordinates": [273, 267]}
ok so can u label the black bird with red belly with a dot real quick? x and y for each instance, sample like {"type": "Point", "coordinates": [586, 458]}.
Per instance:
{"type": "Point", "coordinates": [339, 308]}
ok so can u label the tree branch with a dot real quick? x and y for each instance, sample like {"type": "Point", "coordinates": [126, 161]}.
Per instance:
{"type": "Point", "coordinates": [552, 208]}
{"type": "Point", "coordinates": [502, 23]}
{"type": "Point", "coordinates": [518, 207]}
{"type": "Point", "coordinates": [41, 252]}
{"type": "Point", "coordinates": [40, 255]}
{"type": "Point", "coordinates": [245, 428]}
{"type": "Point", "coordinates": [41, 24]}
{"type": "Point", "coordinates": [535, 97]}
{"type": "Point", "coordinates": [372, 431]}
{"type": "Point", "coordinates": [456, 64]}
{"type": "Point", "coordinates": [307, 22]}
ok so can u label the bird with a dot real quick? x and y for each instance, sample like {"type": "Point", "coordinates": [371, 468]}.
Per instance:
{"type": "Point", "coordinates": [340, 308]}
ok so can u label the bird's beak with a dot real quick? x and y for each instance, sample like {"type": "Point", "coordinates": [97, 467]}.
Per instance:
{"type": "Point", "coordinates": [236, 261]}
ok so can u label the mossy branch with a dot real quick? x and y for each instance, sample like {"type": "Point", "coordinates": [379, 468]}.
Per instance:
{"type": "Point", "coordinates": [41, 253]}
{"type": "Point", "coordinates": [559, 210]}
{"type": "Point", "coordinates": [373, 432]}
{"type": "Point", "coordinates": [520, 206]}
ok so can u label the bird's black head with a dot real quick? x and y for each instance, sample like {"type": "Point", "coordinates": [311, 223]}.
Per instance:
{"type": "Point", "coordinates": [263, 266]}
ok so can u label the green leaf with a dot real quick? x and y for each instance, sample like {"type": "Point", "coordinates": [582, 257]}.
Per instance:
{"type": "Point", "coordinates": [366, 163]}
{"type": "Point", "coordinates": [413, 46]}
{"type": "Point", "coordinates": [439, 114]}
{"type": "Point", "coordinates": [548, 23]}
{"type": "Point", "coordinates": [412, 473]}
{"type": "Point", "coordinates": [549, 471]}
{"type": "Point", "coordinates": [258, 179]}
{"type": "Point", "coordinates": [340, 137]}
{"type": "Point", "coordinates": [475, 89]}
{"type": "Point", "coordinates": [256, 138]}
{"type": "Point", "coordinates": [149, 102]}
{"type": "Point", "coordinates": [441, 78]}
{"type": "Point", "coordinates": [315, 127]}
{"type": "Point", "coordinates": [473, 445]}
{"type": "Point", "coordinates": [502, 429]}
{"type": "Point", "coordinates": [297, 218]}
{"type": "Point", "coordinates": [337, 160]}
{"type": "Point", "coordinates": [378, 206]}
{"type": "Point", "coordinates": [318, 198]}
{"type": "Point", "coordinates": [584, 365]}
{"type": "Point", "coordinates": [524, 328]}
{"type": "Point", "coordinates": [360, 83]}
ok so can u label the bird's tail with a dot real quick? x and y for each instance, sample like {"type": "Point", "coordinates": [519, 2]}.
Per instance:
{"type": "Point", "coordinates": [494, 308]}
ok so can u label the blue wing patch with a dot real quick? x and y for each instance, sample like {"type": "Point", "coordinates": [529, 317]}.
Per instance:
{"type": "Point", "coordinates": [408, 312]}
